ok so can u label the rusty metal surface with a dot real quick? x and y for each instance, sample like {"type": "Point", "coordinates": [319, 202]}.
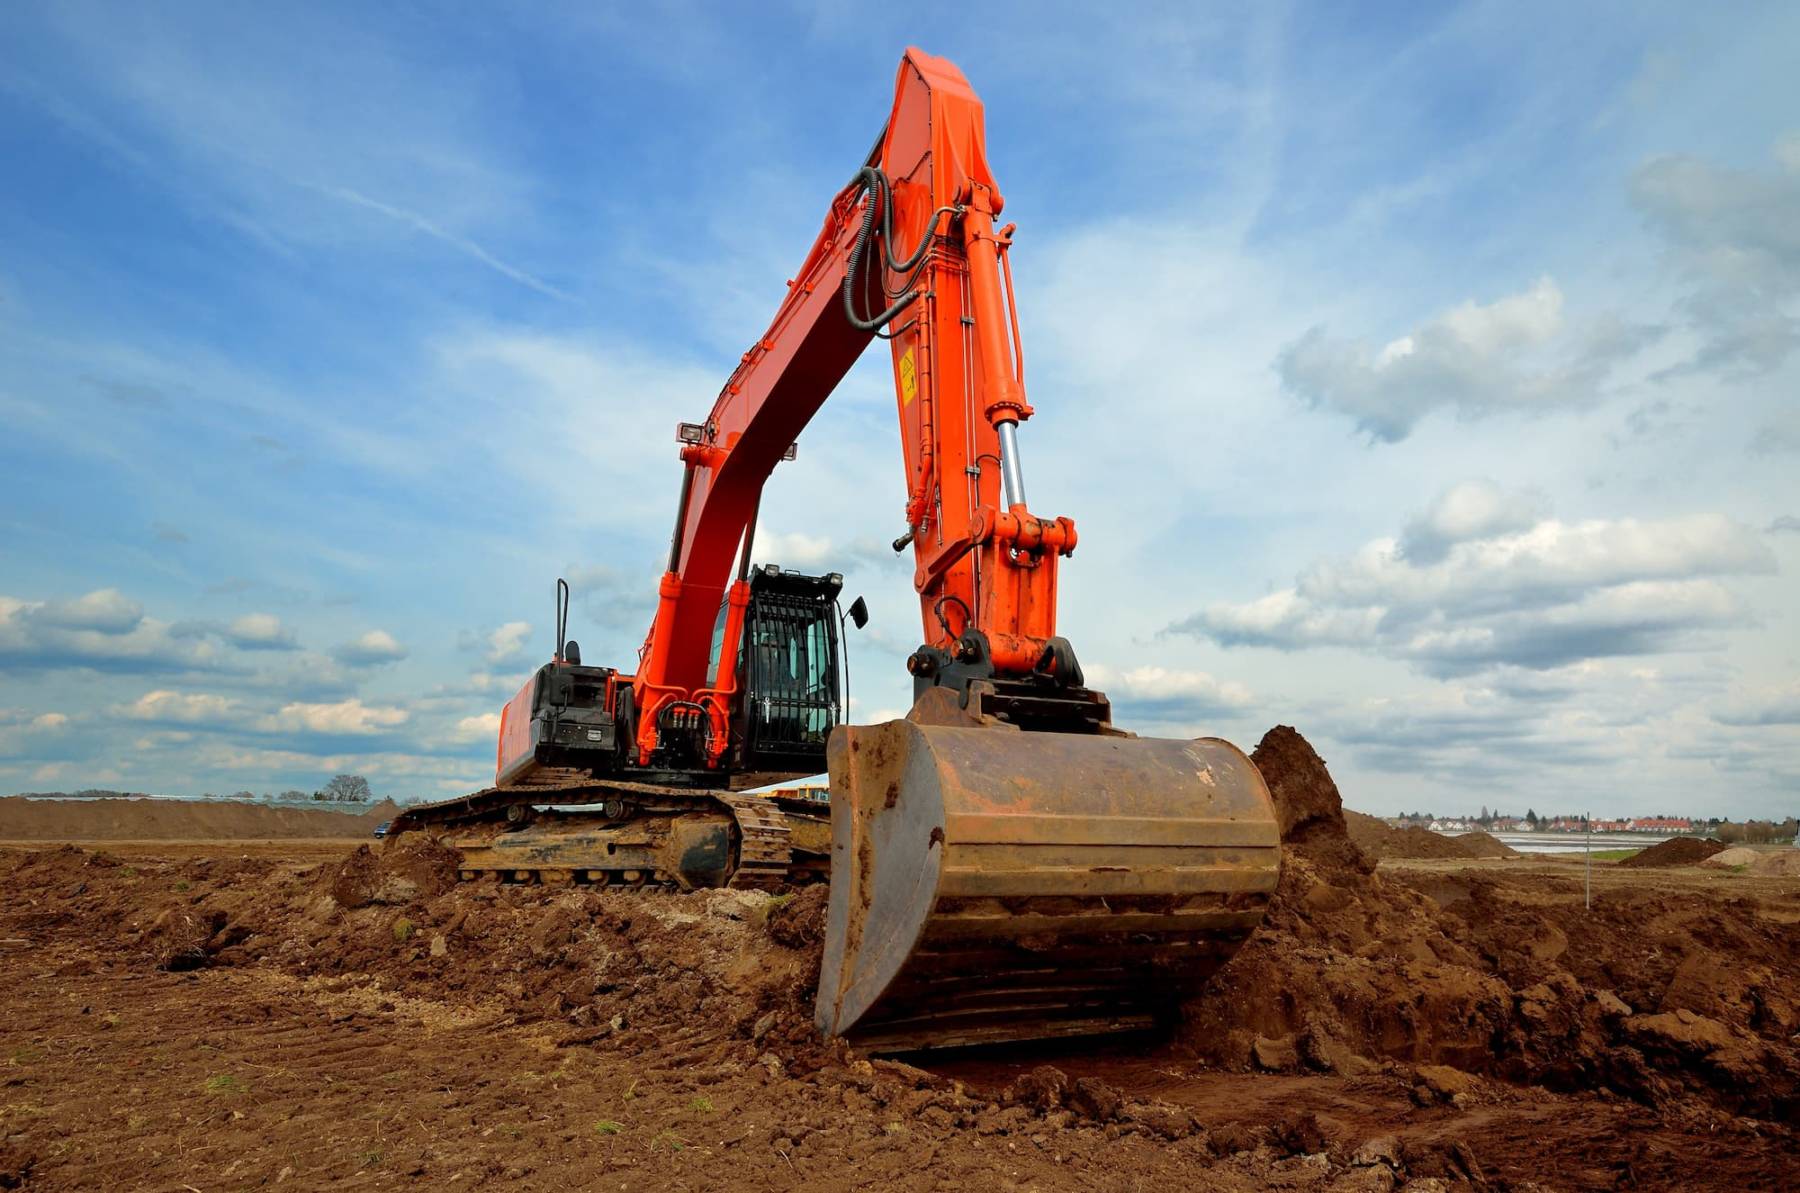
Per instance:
{"type": "Point", "coordinates": [994, 885]}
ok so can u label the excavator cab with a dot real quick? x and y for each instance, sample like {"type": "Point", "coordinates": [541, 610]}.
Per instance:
{"type": "Point", "coordinates": [789, 670]}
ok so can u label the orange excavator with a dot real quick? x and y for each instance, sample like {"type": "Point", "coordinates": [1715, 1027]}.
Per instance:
{"type": "Point", "coordinates": [1004, 864]}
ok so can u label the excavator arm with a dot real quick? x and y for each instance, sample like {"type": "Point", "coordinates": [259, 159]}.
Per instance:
{"type": "Point", "coordinates": [909, 251]}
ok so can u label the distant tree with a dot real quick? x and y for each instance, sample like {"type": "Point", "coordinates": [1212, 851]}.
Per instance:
{"type": "Point", "coordinates": [1531, 817]}
{"type": "Point", "coordinates": [347, 789]}
{"type": "Point", "coordinates": [292, 796]}
{"type": "Point", "coordinates": [246, 796]}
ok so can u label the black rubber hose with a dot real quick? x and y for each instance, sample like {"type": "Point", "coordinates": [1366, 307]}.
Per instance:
{"type": "Point", "coordinates": [871, 181]}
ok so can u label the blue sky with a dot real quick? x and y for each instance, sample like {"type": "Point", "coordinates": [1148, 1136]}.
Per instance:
{"type": "Point", "coordinates": [1421, 376]}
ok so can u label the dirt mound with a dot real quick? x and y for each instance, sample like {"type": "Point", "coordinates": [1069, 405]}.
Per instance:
{"type": "Point", "coordinates": [1379, 839]}
{"type": "Point", "coordinates": [1766, 863]}
{"type": "Point", "coordinates": [176, 820]}
{"type": "Point", "coordinates": [1652, 997]}
{"type": "Point", "coordinates": [410, 867]}
{"type": "Point", "coordinates": [1676, 851]}
{"type": "Point", "coordinates": [1308, 808]}
{"type": "Point", "coordinates": [1371, 833]}
{"type": "Point", "coordinates": [1480, 844]}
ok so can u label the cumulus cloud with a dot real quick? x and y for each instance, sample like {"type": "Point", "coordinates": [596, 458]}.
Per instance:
{"type": "Point", "coordinates": [105, 611]}
{"type": "Point", "coordinates": [185, 708]}
{"type": "Point", "coordinates": [1734, 233]}
{"type": "Point", "coordinates": [370, 649]}
{"type": "Point", "coordinates": [792, 549]}
{"type": "Point", "coordinates": [25, 733]}
{"type": "Point", "coordinates": [821, 553]}
{"type": "Point", "coordinates": [1785, 524]}
{"type": "Point", "coordinates": [505, 641]}
{"type": "Point", "coordinates": [1166, 695]}
{"type": "Point", "coordinates": [103, 631]}
{"type": "Point", "coordinates": [1519, 353]}
{"type": "Point", "coordinates": [1470, 511]}
{"type": "Point", "coordinates": [260, 631]}
{"type": "Point", "coordinates": [480, 727]}
{"type": "Point", "coordinates": [344, 717]}
{"type": "Point", "coordinates": [1539, 597]}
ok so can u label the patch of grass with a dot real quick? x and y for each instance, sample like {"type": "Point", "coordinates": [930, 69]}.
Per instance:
{"type": "Point", "coordinates": [224, 1084]}
{"type": "Point", "coordinates": [111, 1019]}
{"type": "Point", "coordinates": [403, 930]}
{"type": "Point", "coordinates": [607, 1126]}
{"type": "Point", "coordinates": [369, 1159]}
{"type": "Point", "coordinates": [1613, 855]}
{"type": "Point", "coordinates": [182, 885]}
{"type": "Point", "coordinates": [673, 1141]}
{"type": "Point", "coordinates": [702, 1103]}
{"type": "Point", "coordinates": [631, 1092]}
{"type": "Point", "coordinates": [25, 1055]}
{"type": "Point", "coordinates": [129, 872]}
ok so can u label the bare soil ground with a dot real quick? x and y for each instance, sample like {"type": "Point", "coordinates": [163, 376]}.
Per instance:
{"type": "Point", "coordinates": [304, 1015]}
{"type": "Point", "coordinates": [140, 819]}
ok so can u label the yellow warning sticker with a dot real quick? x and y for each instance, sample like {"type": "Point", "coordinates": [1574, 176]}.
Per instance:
{"type": "Point", "coordinates": [909, 378]}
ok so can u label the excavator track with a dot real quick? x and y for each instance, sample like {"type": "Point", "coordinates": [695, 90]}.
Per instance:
{"type": "Point", "coordinates": [603, 832]}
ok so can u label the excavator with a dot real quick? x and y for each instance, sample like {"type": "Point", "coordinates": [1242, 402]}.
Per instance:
{"type": "Point", "coordinates": [1004, 863]}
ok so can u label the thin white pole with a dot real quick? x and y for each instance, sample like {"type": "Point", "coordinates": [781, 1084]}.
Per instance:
{"type": "Point", "coordinates": [1590, 861]}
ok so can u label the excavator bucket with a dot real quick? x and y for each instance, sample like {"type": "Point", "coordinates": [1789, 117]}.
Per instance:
{"type": "Point", "coordinates": [992, 885]}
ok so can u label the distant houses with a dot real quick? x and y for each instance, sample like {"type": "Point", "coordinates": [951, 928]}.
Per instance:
{"type": "Point", "coordinates": [1666, 825]}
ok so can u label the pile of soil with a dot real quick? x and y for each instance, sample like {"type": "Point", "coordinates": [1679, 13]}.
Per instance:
{"type": "Point", "coordinates": [1775, 863]}
{"type": "Point", "coordinates": [1379, 839]}
{"type": "Point", "coordinates": [1480, 844]}
{"type": "Point", "coordinates": [1676, 851]}
{"type": "Point", "coordinates": [1647, 994]}
{"type": "Point", "coordinates": [152, 819]}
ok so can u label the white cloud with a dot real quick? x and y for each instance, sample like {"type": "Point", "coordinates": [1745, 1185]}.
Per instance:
{"type": "Point", "coordinates": [260, 631]}
{"type": "Point", "coordinates": [373, 647]}
{"type": "Point", "coordinates": [1167, 695]}
{"type": "Point", "coordinates": [1517, 354]}
{"type": "Point", "coordinates": [344, 717]}
{"type": "Point", "coordinates": [1472, 510]}
{"type": "Point", "coordinates": [105, 611]}
{"type": "Point", "coordinates": [191, 708]}
{"type": "Point", "coordinates": [793, 549]}
{"type": "Point", "coordinates": [1544, 596]}
{"type": "Point", "coordinates": [103, 630]}
{"type": "Point", "coordinates": [480, 727]}
{"type": "Point", "coordinates": [507, 640]}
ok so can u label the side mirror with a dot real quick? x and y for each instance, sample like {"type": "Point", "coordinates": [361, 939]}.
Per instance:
{"type": "Point", "coordinates": [859, 613]}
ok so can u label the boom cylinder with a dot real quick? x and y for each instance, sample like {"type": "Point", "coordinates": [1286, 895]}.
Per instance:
{"type": "Point", "coordinates": [1012, 473]}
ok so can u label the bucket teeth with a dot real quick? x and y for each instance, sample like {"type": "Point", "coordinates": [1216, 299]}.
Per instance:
{"type": "Point", "coordinates": [991, 886]}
